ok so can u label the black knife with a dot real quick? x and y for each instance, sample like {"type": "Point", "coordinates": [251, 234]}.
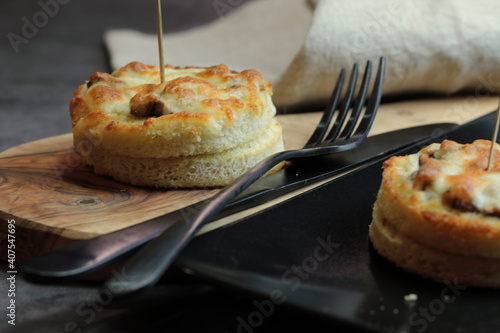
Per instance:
{"type": "Point", "coordinates": [82, 258]}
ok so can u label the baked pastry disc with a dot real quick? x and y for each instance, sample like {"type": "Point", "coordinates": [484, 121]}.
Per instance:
{"type": "Point", "coordinates": [202, 127]}
{"type": "Point", "coordinates": [437, 213]}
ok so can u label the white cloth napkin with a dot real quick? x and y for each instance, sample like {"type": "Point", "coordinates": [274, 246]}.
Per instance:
{"type": "Point", "coordinates": [439, 46]}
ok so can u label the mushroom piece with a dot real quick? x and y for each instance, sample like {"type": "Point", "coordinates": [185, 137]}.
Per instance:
{"type": "Point", "coordinates": [100, 77]}
{"type": "Point", "coordinates": [146, 105]}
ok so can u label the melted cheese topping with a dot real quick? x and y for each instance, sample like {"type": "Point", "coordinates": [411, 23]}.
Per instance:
{"type": "Point", "coordinates": [216, 91]}
{"type": "Point", "coordinates": [457, 174]}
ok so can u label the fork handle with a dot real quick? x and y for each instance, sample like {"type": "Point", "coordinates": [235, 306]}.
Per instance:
{"type": "Point", "coordinates": [148, 265]}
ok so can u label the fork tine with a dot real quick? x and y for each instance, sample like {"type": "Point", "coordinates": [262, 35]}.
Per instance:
{"type": "Point", "coordinates": [373, 103]}
{"type": "Point", "coordinates": [326, 119]}
{"type": "Point", "coordinates": [346, 104]}
{"type": "Point", "coordinates": [359, 104]}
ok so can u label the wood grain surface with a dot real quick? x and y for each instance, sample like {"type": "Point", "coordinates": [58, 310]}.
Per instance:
{"type": "Point", "coordinates": [55, 199]}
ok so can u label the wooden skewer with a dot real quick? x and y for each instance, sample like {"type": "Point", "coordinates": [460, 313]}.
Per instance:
{"type": "Point", "coordinates": [494, 139]}
{"type": "Point", "coordinates": [159, 31]}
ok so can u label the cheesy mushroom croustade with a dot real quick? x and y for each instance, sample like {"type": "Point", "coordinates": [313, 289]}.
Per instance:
{"type": "Point", "coordinates": [202, 127]}
{"type": "Point", "coordinates": [437, 213]}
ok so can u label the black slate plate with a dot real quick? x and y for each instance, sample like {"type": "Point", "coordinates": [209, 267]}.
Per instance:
{"type": "Point", "coordinates": [312, 252]}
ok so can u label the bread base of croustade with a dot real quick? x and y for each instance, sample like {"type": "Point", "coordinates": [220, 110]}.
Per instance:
{"type": "Point", "coordinates": [429, 262]}
{"type": "Point", "coordinates": [202, 170]}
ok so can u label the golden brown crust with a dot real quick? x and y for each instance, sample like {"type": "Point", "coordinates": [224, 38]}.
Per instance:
{"type": "Point", "coordinates": [444, 199]}
{"type": "Point", "coordinates": [417, 258]}
{"type": "Point", "coordinates": [202, 170]}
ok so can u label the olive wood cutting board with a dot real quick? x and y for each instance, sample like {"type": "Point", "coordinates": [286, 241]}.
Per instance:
{"type": "Point", "coordinates": [54, 199]}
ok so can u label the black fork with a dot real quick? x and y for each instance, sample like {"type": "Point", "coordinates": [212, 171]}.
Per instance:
{"type": "Point", "coordinates": [347, 132]}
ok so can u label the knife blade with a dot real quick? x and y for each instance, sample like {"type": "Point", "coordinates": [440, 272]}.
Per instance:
{"type": "Point", "coordinates": [83, 258]}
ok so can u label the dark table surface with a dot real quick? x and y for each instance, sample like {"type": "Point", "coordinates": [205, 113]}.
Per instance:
{"type": "Point", "coordinates": [40, 68]}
